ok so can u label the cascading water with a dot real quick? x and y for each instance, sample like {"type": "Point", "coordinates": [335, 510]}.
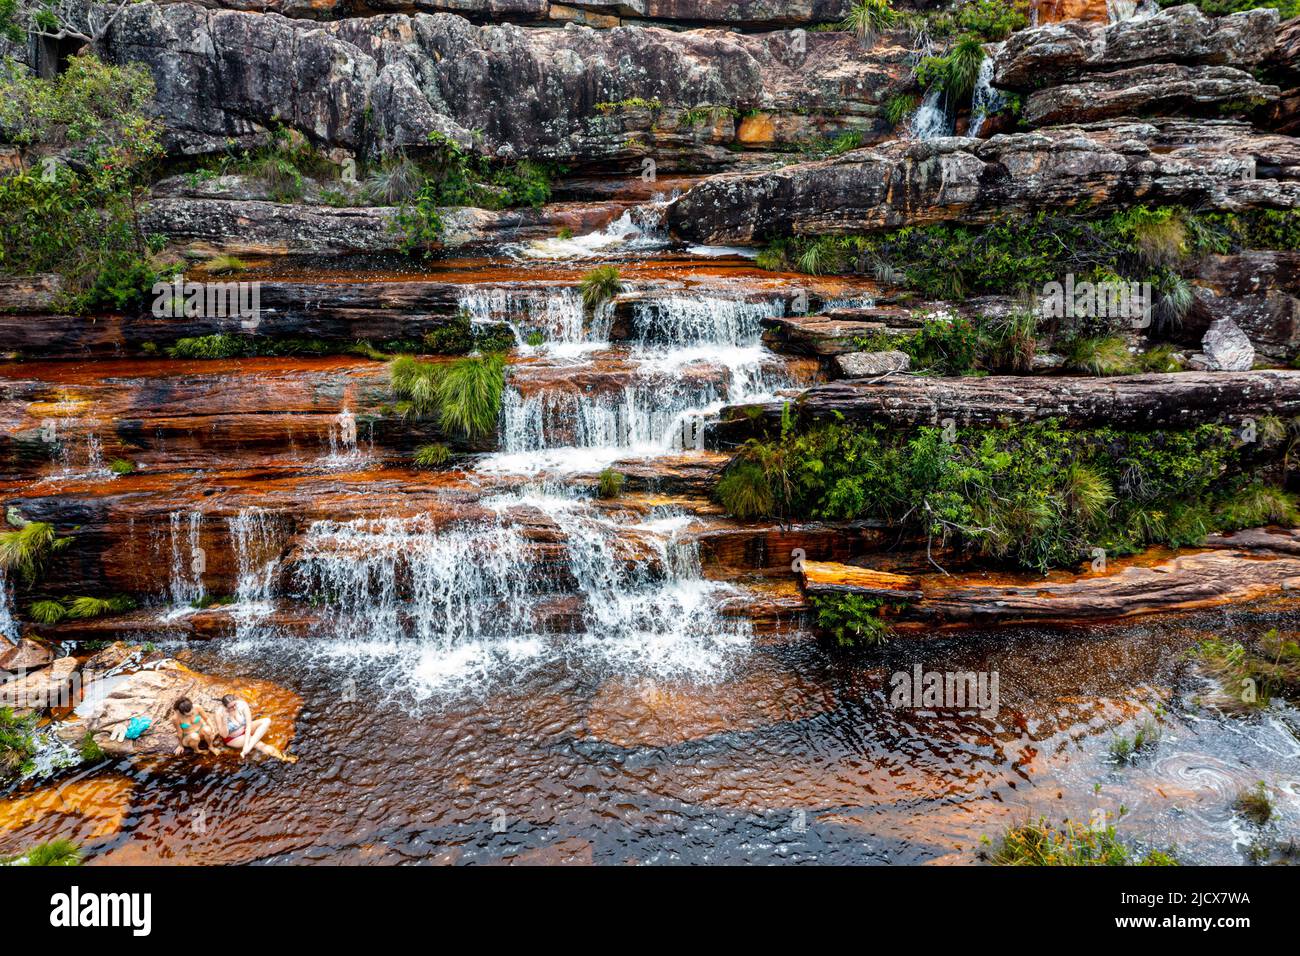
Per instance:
{"type": "Point", "coordinates": [638, 229]}
{"type": "Point", "coordinates": [257, 539]}
{"type": "Point", "coordinates": [8, 625]}
{"type": "Point", "coordinates": [930, 121]}
{"type": "Point", "coordinates": [689, 357]}
{"type": "Point", "coordinates": [986, 100]}
{"type": "Point", "coordinates": [188, 560]}
{"type": "Point", "coordinates": [558, 314]}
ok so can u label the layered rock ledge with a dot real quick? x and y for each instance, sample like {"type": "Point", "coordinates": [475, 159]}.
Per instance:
{"type": "Point", "coordinates": [1216, 164]}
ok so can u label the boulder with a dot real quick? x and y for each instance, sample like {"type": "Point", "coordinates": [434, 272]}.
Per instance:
{"type": "Point", "coordinates": [1047, 55]}
{"type": "Point", "coordinates": [1216, 164]}
{"type": "Point", "coordinates": [1227, 348]}
{"type": "Point", "coordinates": [40, 689]}
{"type": "Point", "coordinates": [867, 364]}
{"type": "Point", "coordinates": [1259, 291]}
{"type": "Point", "coordinates": [26, 655]}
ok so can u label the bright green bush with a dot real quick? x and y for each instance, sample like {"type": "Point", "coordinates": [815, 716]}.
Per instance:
{"type": "Point", "coordinates": [1037, 496]}
{"type": "Point", "coordinates": [81, 220]}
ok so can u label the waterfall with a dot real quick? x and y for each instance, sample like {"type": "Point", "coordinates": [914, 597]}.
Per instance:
{"type": "Point", "coordinates": [930, 120]}
{"type": "Point", "coordinates": [558, 314]}
{"type": "Point", "coordinates": [690, 356]}
{"type": "Point", "coordinates": [647, 604]}
{"type": "Point", "coordinates": [8, 624]}
{"type": "Point", "coordinates": [985, 100]}
{"type": "Point", "coordinates": [638, 229]}
{"type": "Point", "coordinates": [188, 560]}
{"type": "Point", "coordinates": [257, 538]}
{"type": "Point", "coordinates": [392, 577]}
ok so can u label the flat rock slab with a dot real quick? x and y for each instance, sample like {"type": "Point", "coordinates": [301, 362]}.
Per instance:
{"type": "Point", "coordinates": [46, 687]}
{"type": "Point", "coordinates": [151, 691]}
{"type": "Point", "coordinates": [1177, 400]}
{"type": "Point", "coordinates": [1185, 582]}
{"type": "Point", "coordinates": [828, 577]}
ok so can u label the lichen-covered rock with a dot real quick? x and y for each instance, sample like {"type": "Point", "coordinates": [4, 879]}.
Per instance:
{"type": "Point", "coordinates": [1257, 290]}
{"type": "Point", "coordinates": [1227, 348]}
{"type": "Point", "coordinates": [1161, 88]}
{"type": "Point", "coordinates": [574, 95]}
{"type": "Point", "coordinates": [1046, 55]}
{"type": "Point", "coordinates": [1220, 164]}
{"type": "Point", "coordinates": [865, 364]}
{"type": "Point", "coordinates": [751, 14]}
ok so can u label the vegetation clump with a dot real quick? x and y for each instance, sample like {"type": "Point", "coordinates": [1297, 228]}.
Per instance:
{"type": "Point", "coordinates": [1146, 738]}
{"type": "Point", "coordinates": [600, 285]}
{"type": "Point", "coordinates": [1032, 495]}
{"type": "Point", "coordinates": [24, 551]}
{"type": "Point", "coordinates": [465, 395]}
{"type": "Point", "coordinates": [76, 213]}
{"type": "Point", "coordinates": [55, 853]}
{"type": "Point", "coordinates": [853, 620]}
{"type": "Point", "coordinates": [17, 745]}
{"type": "Point", "coordinates": [609, 484]}
{"type": "Point", "coordinates": [1043, 844]}
{"type": "Point", "coordinates": [451, 175]}
{"type": "Point", "coordinates": [433, 455]}
{"type": "Point", "coordinates": [1250, 675]}
{"type": "Point", "coordinates": [1255, 804]}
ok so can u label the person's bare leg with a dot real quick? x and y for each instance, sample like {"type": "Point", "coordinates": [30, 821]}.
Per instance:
{"type": "Point", "coordinates": [255, 734]}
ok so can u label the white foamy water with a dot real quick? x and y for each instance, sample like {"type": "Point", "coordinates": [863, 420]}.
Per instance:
{"type": "Point", "coordinates": [638, 229]}
{"type": "Point", "coordinates": [986, 100]}
{"type": "Point", "coordinates": [426, 610]}
{"type": "Point", "coordinates": [930, 121]}
{"type": "Point", "coordinates": [691, 356]}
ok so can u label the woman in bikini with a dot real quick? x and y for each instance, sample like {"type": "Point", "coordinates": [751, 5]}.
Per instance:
{"type": "Point", "coordinates": [192, 727]}
{"type": "Point", "coordinates": [243, 733]}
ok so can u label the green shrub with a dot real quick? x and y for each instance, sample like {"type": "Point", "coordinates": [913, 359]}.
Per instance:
{"type": "Point", "coordinates": [432, 456]}
{"type": "Point", "coordinates": [395, 181]}
{"type": "Point", "coordinates": [54, 853]}
{"type": "Point", "coordinates": [1100, 355]}
{"type": "Point", "coordinates": [120, 466]}
{"type": "Point", "coordinates": [47, 612]}
{"type": "Point", "coordinates": [456, 337]}
{"type": "Point", "coordinates": [955, 72]}
{"type": "Point", "coordinates": [17, 745]}
{"type": "Point", "coordinates": [1035, 495]}
{"type": "Point", "coordinates": [899, 107]}
{"type": "Point", "coordinates": [81, 608]}
{"type": "Point", "coordinates": [225, 265]}
{"type": "Point", "coordinates": [992, 20]}
{"type": "Point", "coordinates": [867, 18]}
{"type": "Point", "coordinates": [610, 483]}
{"type": "Point", "coordinates": [852, 619]}
{"type": "Point", "coordinates": [80, 218]}
{"type": "Point", "coordinates": [600, 285]}
{"type": "Point", "coordinates": [24, 551]}
{"type": "Point", "coordinates": [469, 395]}
{"type": "Point", "coordinates": [1041, 844]}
